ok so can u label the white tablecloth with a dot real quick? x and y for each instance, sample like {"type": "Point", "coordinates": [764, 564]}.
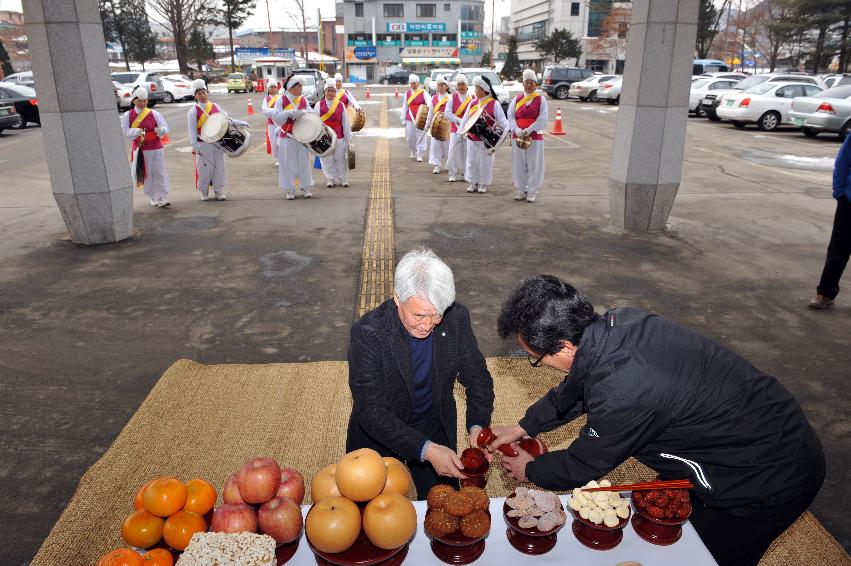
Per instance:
{"type": "Point", "coordinates": [498, 551]}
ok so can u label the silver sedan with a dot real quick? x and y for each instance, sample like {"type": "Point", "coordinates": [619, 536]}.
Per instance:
{"type": "Point", "coordinates": [828, 111]}
{"type": "Point", "coordinates": [610, 90]}
{"type": "Point", "coordinates": [587, 89]}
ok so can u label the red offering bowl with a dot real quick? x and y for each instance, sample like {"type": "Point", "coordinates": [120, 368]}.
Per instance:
{"type": "Point", "coordinates": [534, 446]}
{"type": "Point", "coordinates": [598, 537]}
{"type": "Point", "coordinates": [362, 553]}
{"type": "Point", "coordinates": [529, 541]}
{"type": "Point", "coordinates": [662, 532]}
{"type": "Point", "coordinates": [476, 467]}
{"type": "Point", "coordinates": [458, 549]}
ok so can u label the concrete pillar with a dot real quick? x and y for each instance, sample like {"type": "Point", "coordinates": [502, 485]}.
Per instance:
{"type": "Point", "coordinates": [650, 136]}
{"type": "Point", "coordinates": [89, 170]}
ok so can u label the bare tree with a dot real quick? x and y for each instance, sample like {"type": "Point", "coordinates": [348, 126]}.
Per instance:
{"type": "Point", "coordinates": [180, 17]}
{"type": "Point", "coordinates": [299, 18]}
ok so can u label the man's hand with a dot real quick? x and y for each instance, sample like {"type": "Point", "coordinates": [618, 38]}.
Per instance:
{"type": "Point", "coordinates": [445, 461]}
{"type": "Point", "coordinates": [506, 435]}
{"type": "Point", "coordinates": [516, 466]}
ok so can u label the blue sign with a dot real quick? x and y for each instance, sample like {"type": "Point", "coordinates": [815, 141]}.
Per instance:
{"type": "Point", "coordinates": [367, 52]}
{"type": "Point", "coordinates": [255, 52]}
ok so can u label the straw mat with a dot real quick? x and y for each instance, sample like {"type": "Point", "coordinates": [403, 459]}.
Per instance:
{"type": "Point", "coordinates": [206, 421]}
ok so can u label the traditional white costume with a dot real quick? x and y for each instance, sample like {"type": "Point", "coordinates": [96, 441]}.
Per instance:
{"type": "Point", "coordinates": [438, 150]}
{"type": "Point", "coordinates": [333, 114]}
{"type": "Point", "coordinates": [148, 127]}
{"type": "Point", "coordinates": [410, 106]}
{"type": "Point", "coordinates": [479, 164]}
{"type": "Point", "coordinates": [455, 110]}
{"type": "Point", "coordinates": [294, 160]}
{"type": "Point", "coordinates": [348, 99]}
{"type": "Point", "coordinates": [528, 115]}
{"type": "Point", "coordinates": [209, 159]}
{"type": "Point", "coordinates": [268, 109]}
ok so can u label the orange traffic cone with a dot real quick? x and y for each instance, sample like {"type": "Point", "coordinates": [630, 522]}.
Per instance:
{"type": "Point", "coordinates": [397, 92]}
{"type": "Point", "coordinates": [367, 92]}
{"type": "Point", "coordinates": [557, 129]}
{"type": "Point", "coordinates": [250, 107]}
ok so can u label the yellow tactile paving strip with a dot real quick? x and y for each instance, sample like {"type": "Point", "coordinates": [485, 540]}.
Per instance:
{"type": "Point", "coordinates": [378, 256]}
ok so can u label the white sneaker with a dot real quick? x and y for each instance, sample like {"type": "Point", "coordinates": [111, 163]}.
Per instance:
{"type": "Point", "coordinates": [531, 198]}
{"type": "Point", "coordinates": [290, 196]}
{"type": "Point", "coordinates": [483, 188]}
{"type": "Point", "coordinates": [451, 179]}
{"type": "Point", "coordinates": [276, 164]}
{"type": "Point", "coordinates": [163, 204]}
{"type": "Point", "coordinates": [221, 197]}
{"type": "Point", "coordinates": [308, 194]}
{"type": "Point", "coordinates": [471, 189]}
{"type": "Point", "coordinates": [413, 156]}
{"type": "Point", "coordinates": [205, 197]}
{"type": "Point", "coordinates": [419, 159]}
{"type": "Point", "coordinates": [329, 184]}
{"type": "Point", "coordinates": [345, 184]}
{"type": "Point", "coordinates": [521, 196]}
{"type": "Point", "coordinates": [154, 203]}
{"type": "Point", "coordinates": [436, 170]}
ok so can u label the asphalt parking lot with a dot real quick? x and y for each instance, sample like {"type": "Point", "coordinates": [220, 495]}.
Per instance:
{"type": "Point", "coordinates": [86, 332]}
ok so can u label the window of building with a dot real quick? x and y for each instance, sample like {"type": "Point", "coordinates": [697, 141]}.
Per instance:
{"type": "Point", "coordinates": [597, 65]}
{"type": "Point", "coordinates": [359, 39]}
{"type": "Point", "coordinates": [597, 12]}
{"type": "Point", "coordinates": [472, 13]}
{"type": "Point", "coordinates": [416, 39]}
{"type": "Point", "coordinates": [447, 7]}
{"type": "Point", "coordinates": [394, 10]}
{"type": "Point", "coordinates": [471, 30]}
{"type": "Point", "coordinates": [574, 8]}
{"type": "Point", "coordinates": [389, 39]}
{"type": "Point", "coordinates": [443, 40]}
{"type": "Point", "coordinates": [531, 32]}
{"type": "Point", "coordinates": [358, 9]}
{"type": "Point", "coordinates": [426, 10]}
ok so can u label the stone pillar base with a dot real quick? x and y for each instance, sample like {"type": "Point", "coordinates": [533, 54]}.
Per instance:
{"type": "Point", "coordinates": [641, 207]}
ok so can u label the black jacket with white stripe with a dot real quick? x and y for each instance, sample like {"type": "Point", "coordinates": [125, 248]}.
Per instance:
{"type": "Point", "coordinates": [681, 404]}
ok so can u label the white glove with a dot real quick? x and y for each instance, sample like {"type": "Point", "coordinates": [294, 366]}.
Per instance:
{"type": "Point", "coordinates": [242, 123]}
{"type": "Point", "coordinates": [160, 131]}
{"type": "Point", "coordinates": [137, 132]}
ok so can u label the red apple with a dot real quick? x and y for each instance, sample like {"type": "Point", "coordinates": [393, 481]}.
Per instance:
{"type": "Point", "coordinates": [280, 518]}
{"type": "Point", "coordinates": [230, 493]}
{"type": "Point", "coordinates": [258, 480]}
{"type": "Point", "coordinates": [234, 518]}
{"type": "Point", "coordinates": [292, 485]}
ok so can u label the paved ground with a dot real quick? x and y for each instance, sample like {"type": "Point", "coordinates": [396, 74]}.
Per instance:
{"type": "Point", "coordinates": [86, 332]}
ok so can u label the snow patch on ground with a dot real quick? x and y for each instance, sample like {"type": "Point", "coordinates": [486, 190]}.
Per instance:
{"type": "Point", "coordinates": [382, 132]}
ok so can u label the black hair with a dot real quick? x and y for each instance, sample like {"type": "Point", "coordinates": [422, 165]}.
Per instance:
{"type": "Point", "coordinates": [544, 311]}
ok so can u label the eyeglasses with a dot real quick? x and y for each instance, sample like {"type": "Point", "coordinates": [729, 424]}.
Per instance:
{"type": "Point", "coordinates": [535, 363]}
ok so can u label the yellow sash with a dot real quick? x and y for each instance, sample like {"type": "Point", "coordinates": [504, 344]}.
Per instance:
{"type": "Point", "coordinates": [205, 115]}
{"type": "Point", "coordinates": [293, 103]}
{"type": "Point", "coordinates": [273, 100]}
{"type": "Point", "coordinates": [482, 102]}
{"type": "Point", "coordinates": [332, 108]}
{"type": "Point", "coordinates": [525, 100]}
{"type": "Point", "coordinates": [440, 103]}
{"type": "Point", "coordinates": [140, 118]}
{"type": "Point", "coordinates": [459, 112]}
{"type": "Point", "coordinates": [414, 95]}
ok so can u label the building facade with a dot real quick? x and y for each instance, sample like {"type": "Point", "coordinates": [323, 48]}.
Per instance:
{"type": "Point", "coordinates": [417, 35]}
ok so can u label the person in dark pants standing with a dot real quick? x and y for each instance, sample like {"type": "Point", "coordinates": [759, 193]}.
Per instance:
{"type": "Point", "coordinates": [839, 248]}
{"type": "Point", "coordinates": [404, 358]}
{"type": "Point", "coordinates": [678, 402]}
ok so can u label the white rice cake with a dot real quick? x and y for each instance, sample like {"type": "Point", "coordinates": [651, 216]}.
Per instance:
{"type": "Point", "coordinates": [222, 549]}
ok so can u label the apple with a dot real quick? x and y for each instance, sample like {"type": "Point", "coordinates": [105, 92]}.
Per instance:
{"type": "Point", "coordinates": [333, 524]}
{"type": "Point", "coordinates": [230, 493]}
{"type": "Point", "coordinates": [389, 520]}
{"type": "Point", "coordinates": [361, 474]}
{"type": "Point", "coordinates": [234, 518]}
{"type": "Point", "coordinates": [258, 480]}
{"type": "Point", "coordinates": [280, 518]}
{"type": "Point", "coordinates": [398, 478]}
{"type": "Point", "coordinates": [292, 485]}
{"type": "Point", "coordinates": [324, 484]}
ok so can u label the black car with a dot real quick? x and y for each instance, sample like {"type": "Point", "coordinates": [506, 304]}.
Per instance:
{"type": "Point", "coordinates": [557, 80]}
{"type": "Point", "coordinates": [395, 78]}
{"type": "Point", "coordinates": [25, 101]}
{"type": "Point", "coordinates": [9, 118]}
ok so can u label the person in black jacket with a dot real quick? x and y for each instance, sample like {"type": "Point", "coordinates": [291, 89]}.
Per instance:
{"type": "Point", "coordinates": [404, 357]}
{"type": "Point", "coordinates": [680, 403]}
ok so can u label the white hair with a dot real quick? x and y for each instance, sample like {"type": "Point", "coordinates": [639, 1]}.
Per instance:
{"type": "Point", "coordinates": [420, 273]}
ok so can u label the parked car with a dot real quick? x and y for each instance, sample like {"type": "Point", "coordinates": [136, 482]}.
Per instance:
{"type": "Point", "coordinates": [610, 90]}
{"type": "Point", "coordinates": [726, 75]}
{"type": "Point", "coordinates": [431, 85]}
{"type": "Point", "coordinates": [837, 80]}
{"type": "Point", "coordinates": [828, 111]}
{"type": "Point", "coordinates": [713, 99]}
{"type": "Point", "coordinates": [767, 104]}
{"type": "Point", "coordinates": [123, 95]}
{"type": "Point", "coordinates": [177, 87]}
{"type": "Point", "coordinates": [557, 80]}
{"type": "Point", "coordinates": [318, 76]}
{"type": "Point", "coordinates": [587, 89]}
{"type": "Point", "coordinates": [701, 66]}
{"type": "Point", "coordinates": [239, 82]}
{"type": "Point", "coordinates": [502, 95]}
{"type": "Point", "coordinates": [25, 78]}
{"type": "Point", "coordinates": [9, 118]}
{"type": "Point", "coordinates": [152, 82]}
{"type": "Point", "coordinates": [700, 87]}
{"type": "Point", "coordinates": [399, 77]}
{"type": "Point", "coordinates": [25, 101]}
{"type": "Point", "coordinates": [308, 90]}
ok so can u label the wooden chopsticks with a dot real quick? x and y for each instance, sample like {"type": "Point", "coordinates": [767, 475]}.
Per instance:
{"type": "Point", "coordinates": [667, 484]}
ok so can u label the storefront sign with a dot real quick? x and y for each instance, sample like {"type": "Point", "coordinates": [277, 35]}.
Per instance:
{"type": "Point", "coordinates": [414, 27]}
{"type": "Point", "coordinates": [255, 52]}
{"type": "Point", "coordinates": [396, 27]}
{"type": "Point", "coordinates": [470, 34]}
{"type": "Point", "coordinates": [428, 52]}
{"type": "Point", "coordinates": [365, 54]}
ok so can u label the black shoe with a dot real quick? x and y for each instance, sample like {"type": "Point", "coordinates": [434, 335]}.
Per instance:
{"type": "Point", "coordinates": [821, 302]}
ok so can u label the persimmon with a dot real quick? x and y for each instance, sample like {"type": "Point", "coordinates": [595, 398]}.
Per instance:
{"type": "Point", "coordinates": [158, 557]}
{"type": "Point", "coordinates": [142, 529]}
{"type": "Point", "coordinates": [180, 527]}
{"type": "Point", "coordinates": [164, 497]}
{"type": "Point", "coordinates": [137, 502]}
{"type": "Point", "coordinates": [200, 496]}
{"type": "Point", "coordinates": [121, 557]}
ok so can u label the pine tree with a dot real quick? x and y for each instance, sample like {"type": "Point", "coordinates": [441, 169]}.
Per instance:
{"type": "Point", "coordinates": [559, 45]}
{"type": "Point", "coordinates": [512, 67]}
{"type": "Point", "coordinates": [233, 14]}
{"type": "Point", "coordinates": [4, 61]}
{"type": "Point", "coordinates": [199, 48]}
{"type": "Point", "coordinates": [141, 41]}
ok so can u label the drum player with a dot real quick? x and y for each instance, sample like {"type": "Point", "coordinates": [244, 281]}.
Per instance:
{"type": "Point", "coordinates": [438, 150]}
{"type": "Point", "coordinates": [527, 118]}
{"type": "Point", "coordinates": [268, 109]}
{"type": "Point", "coordinates": [414, 98]}
{"type": "Point", "coordinates": [294, 168]}
{"type": "Point", "coordinates": [333, 113]}
{"type": "Point", "coordinates": [209, 158]}
{"type": "Point", "coordinates": [347, 98]}
{"type": "Point", "coordinates": [147, 126]}
{"type": "Point", "coordinates": [479, 162]}
{"type": "Point", "coordinates": [456, 163]}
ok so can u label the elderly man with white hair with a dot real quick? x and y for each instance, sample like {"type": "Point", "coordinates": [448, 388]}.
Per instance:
{"type": "Point", "coordinates": [333, 113]}
{"type": "Point", "coordinates": [414, 98]}
{"type": "Point", "coordinates": [438, 150]}
{"type": "Point", "coordinates": [147, 127]}
{"type": "Point", "coordinates": [479, 162]}
{"type": "Point", "coordinates": [268, 109]}
{"type": "Point", "coordinates": [346, 96]}
{"type": "Point", "coordinates": [527, 119]}
{"type": "Point", "coordinates": [456, 107]}
{"type": "Point", "coordinates": [404, 358]}
{"type": "Point", "coordinates": [294, 168]}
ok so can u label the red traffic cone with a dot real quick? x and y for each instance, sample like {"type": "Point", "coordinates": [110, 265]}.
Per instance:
{"type": "Point", "coordinates": [250, 107]}
{"type": "Point", "coordinates": [367, 92]}
{"type": "Point", "coordinates": [557, 128]}
{"type": "Point", "coordinates": [397, 92]}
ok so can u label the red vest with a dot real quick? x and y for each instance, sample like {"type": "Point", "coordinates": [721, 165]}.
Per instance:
{"type": "Point", "coordinates": [344, 100]}
{"type": "Point", "coordinates": [199, 111]}
{"type": "Point", "coordinates": [527, 114]}
{"type": "Point", "coordinates": [335, 120]}
{"type": "Point", "coordinates": [152, 140]}
{"type": "Point", "coordinates": [488, 110]}
{"type": "Point", "coordinates": [414, 106]}
{"type": "Point", "coordinates": [456, 104]}
{"type": "Point", "coordinates": [435, 99]}
{"type": "Point", "coordinates": [287, 128]}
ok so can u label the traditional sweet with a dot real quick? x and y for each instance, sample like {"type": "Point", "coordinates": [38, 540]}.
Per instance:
{"type": "Point", "coordinates": [478, 496]}
{"type": "Point", "coordinates": [223, 549]}
{"type": "Point", "coordinates": [437, 495]}
{"type": "Point", "coordinates": [534, 508]}
{"type": "Point", "coordinates": [440, 523]}
{"type": "Point", "coordinates": [476, 524]}
{"type": "Point", "coordinates": [458, 504]}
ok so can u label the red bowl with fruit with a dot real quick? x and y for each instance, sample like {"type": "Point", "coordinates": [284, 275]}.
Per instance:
{"type": "Point", "coordinates": [659, 515]}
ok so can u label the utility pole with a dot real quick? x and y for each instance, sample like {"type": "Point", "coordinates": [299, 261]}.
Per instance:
{"type": "Point", "coordinates": [269, 43]}
{"type": "Point", "coordinates": [319, 40]}
{"type": "Point", "coordinates": [493, 12]}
